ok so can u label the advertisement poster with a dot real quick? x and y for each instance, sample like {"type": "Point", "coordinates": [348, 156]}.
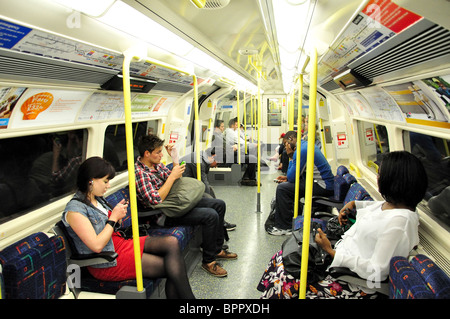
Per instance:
{"type": "Point", "coordinates": [440, 86]}
{"type": "Point", "coordinates": [142, 105]}
{"type": "Point", "coordinates": [417, 102]}
{"type": "Point", "coordinates": [379, 21]}
{"type": "Point", "coordinates": [383, 105]}
{"type": "Point", "coordinates": [102, 106]}
{"type": "Point", "coordinates": [358, 104]}
{"type": "Point", "coordinates": [8, 100]}
{"type": "Point", "coordinates": [41, 107]}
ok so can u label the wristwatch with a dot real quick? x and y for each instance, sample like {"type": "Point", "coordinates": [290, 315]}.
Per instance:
{"type": "Point", "coordinates": [112, 223]}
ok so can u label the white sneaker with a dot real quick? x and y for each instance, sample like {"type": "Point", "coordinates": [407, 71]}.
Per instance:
{"type": "Point", "coordinates": [279, 232]}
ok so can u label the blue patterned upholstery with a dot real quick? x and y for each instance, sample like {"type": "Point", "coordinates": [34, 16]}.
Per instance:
{"type": "Point", "coordinates": [34, 268]}
{"type": "Point", "coordinates": [356, 192]}
{"type": "Point", "coordinates": [340, 188]}
{"type": "Point", "coordinates": [341, 170]}
{"type": "Point", "coordinates": [434, 277]}
{"type": "Point", "coordinates": [419, 279]}
{"type": "Point", "coordinates": [349, 178]}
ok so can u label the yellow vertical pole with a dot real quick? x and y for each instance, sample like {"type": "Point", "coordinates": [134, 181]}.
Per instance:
{"type": "Point", "coordinates": [378, 138]}
{"type": "Point", "coordinates": [251, 113]}
{"type": "Point", "coordinates": [297, 163]}
{"type": "Point", "coordinates": [309, 174]}
{"type": "Point", "coordinates": [245, 123]}
{"type": "Point", "coordinates": [197, 129]}
{"type": "Point", "coordinates": [258, 179]}
{"type": "Point", "coordinates": [291, 112]}
{"type": "Point", "coordinates": [239, 127]}
{"type": "Point", "coordinates": [131, 174]}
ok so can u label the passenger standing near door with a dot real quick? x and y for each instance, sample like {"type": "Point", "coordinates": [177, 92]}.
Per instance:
{"type": "Point", "coordinates": [152, 190]}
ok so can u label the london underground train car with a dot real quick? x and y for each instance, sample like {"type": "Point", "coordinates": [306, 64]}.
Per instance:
{"type": "Point", "coordinates": [229, 85]}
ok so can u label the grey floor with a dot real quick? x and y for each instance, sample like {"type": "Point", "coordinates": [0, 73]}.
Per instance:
{"type": "Point", "coordinates": [250, 241]}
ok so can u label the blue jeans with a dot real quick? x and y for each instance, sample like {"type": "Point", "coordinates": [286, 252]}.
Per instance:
{"type": "Point", "coordinates": [209, 213]}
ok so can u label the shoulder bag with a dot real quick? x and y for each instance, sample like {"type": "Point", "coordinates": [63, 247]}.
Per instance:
{"type": "Point", "coordinates": [318, 259]}
{"type": "Point", "coordinates": [184, 194]}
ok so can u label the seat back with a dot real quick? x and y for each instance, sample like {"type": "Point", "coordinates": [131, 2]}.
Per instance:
{"type": "Point", "coordinates": [34, 268]}
{"type": "Point", "coordinates": [419, 279]}
{"type": "Point", "coordinates": [356, 192]}
{"type": "Point", "coordinates": [342, 185]}
{"type": "Point", "coordinates": [342, 170]}
{"type": "Point", "coordinates": [434, 277]}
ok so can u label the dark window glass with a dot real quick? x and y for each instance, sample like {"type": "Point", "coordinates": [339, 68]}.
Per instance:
{"type": "Point", "coordinates": [37, 169]}
{"type": "Point", "coordinates": [115, 147]}
{"type": "Point", "coordinates": [435, 156]}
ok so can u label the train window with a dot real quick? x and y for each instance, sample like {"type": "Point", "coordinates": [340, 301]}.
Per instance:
{"type": "Point", "coordinates": [373, 142]}
{"type": "Point", "coordinates": [37, 169]}
{"type": "Point", "coordinates": [435, 156]}
{"type": "Point", "coordinates": [115, 147]}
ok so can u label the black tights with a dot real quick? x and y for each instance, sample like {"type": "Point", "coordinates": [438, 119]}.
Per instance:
{"type": "Point", "coordinates": [162, 259]}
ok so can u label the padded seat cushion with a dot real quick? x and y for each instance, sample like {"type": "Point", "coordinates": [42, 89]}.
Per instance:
{"type": "Point", "coordinates": [34, 268]}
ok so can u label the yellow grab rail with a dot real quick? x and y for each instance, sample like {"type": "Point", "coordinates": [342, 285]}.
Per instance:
{"type": "Point", "coordinates": [378, 138]}
{"type": "Point", "coordinates": [309, 174]}
{"type": "Point", "coordinates": [258, 124]}
{"type": "Point", "coordinates": [353, 167]}
{"type": "Point", "coordinates": [131, 174]}
{"type": "Point", "coordinates": [297, 163]}
{"type": "Point", "coordinates": [128, 57]}
{"type": "Point", "coordinates": [238, 129]}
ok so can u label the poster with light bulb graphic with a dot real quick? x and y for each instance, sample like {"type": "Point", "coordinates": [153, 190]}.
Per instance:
{"type": "Point", "coordinates": [43, 107]}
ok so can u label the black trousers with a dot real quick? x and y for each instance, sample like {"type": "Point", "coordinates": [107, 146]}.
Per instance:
{"type": "Point", "coordinates": [284, 201]}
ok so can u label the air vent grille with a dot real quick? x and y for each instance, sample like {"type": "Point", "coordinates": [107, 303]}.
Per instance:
{"type": "Point", "coordinates": [435, 254]}
{"type": "Point", "coordinates": [47, 71]}
{"type": "Point", "coordinates": [428, 45]}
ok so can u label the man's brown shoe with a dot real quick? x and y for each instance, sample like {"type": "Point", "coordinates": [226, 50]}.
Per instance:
{"type": "Point", "coordinates": [225, 254]}
{"type": "Point", "coordinates": [215, 269]}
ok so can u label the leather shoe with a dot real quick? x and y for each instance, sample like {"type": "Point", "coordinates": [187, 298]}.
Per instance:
{"type": "Point", "coordinates": [214, 268]}
{"type": "Point", "coordinates": [225, 254]}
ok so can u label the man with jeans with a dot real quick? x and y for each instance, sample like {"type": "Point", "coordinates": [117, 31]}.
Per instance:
{"type": "Point", "coordinates": [323, 184]}
{"type": "Point", "coordinates": [152, 190]}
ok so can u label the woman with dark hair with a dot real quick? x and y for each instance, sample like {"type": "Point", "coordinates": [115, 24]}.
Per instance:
{"type": "Point", "coordinates": [91, 222]}
{"type": "Point", "coordinates": [383, 229]}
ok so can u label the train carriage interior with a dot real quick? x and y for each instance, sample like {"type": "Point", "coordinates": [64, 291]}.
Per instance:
{"type": "Point", "coordinates": [374, 75]}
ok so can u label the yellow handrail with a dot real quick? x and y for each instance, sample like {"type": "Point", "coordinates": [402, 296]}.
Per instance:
{"type": "Point", "coordinates": [353, 167]}
{"type": "Point", "coordinates": [128, 57]}
{"type": "Point", "coordinates": [245, 124]}
{"type": "Point", "coordinates": [309, 174]}
{"type": "Point", "coordinates": [238, 129]}
{"type": "Point", "coordinates": [378, 138]}
{"type": "Point", "coordinates": [131, 173]}
{"type": "Point", "coordinates": [298, 147]}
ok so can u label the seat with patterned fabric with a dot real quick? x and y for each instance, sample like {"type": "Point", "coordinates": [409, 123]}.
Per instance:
{"type": "Point", "coordinates": [420, 278]}
{"type": "Point", "coordinates": [34, 268]}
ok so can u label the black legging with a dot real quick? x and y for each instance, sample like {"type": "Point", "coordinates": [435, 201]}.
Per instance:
{"type": "Point", "coordinates": [162, 259]}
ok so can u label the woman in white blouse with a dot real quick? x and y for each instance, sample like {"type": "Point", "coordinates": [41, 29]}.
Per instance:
{"type": "Point", "coordinates": [383, 229]}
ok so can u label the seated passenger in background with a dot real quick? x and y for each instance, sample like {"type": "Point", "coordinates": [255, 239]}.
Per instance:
{"type": "Point", "coordinates": [230, 152]}
{"type": "Point", "coordinates": [323, 184]}
{"type": "Point", "coordinates": [383, 229]}
{"type": "Point", "coordinates": [152, 190]}
{"type": "Point", "coordinates": [91, 222]}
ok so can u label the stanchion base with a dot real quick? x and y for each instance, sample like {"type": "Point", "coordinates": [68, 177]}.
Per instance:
{"type": "Point", "coordinates": [129, 292]}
